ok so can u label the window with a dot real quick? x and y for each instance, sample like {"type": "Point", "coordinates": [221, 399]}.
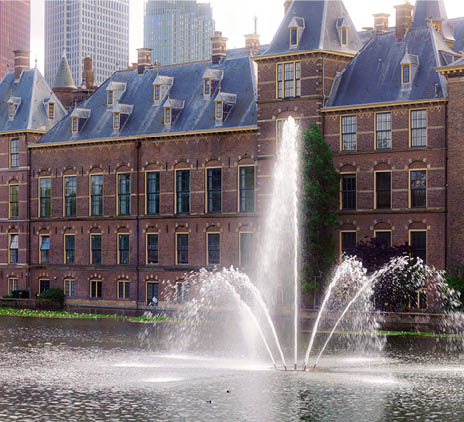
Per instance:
{"type": "Point", "coordinates": [418, 188]}
{"type": "Point", "coordinates": [152, 248]}
{"type": "Point", "coordinates": [152, 293]}
{"type": "Point", "coordinates": [75, 125]}
{"type": "Point", "coordinates": [109, 97]}
{"type": "Point", "coordinates": [95, 249]}
{"type": "Point", "coordinates": [182, 292]}
{"type": "Point", "coordinates": [14, 248]}
{"type": "Point", "coordinates": [348, 182]}
{"type": "Point", "coordinates": [116, 121]}
{"type": "Point", "coordinates": [348, 133]}
{"type": "Point", "coordinates": [51, 111]}
{"type": "Point", "coordinates": [11, 111]}
{"type": "Point", "coordinates": [45, 196]}
{"type": "Point", "coordinates": [246, 249]}
{"type": "Point", "coordinates": [12, 285]}
{"type": "Point", "coordinates": [157, 93]}
{"type": "Point", "coordinates": [383, 134]}
{"type": "Point", "coordinates": [70, 193]}
{"type": "Point", "coordinates": [405, 74]}
{"type": "Point", "coordinates": [96, 195]}
{"type": "Point", "coordinates": [247, 189]}
{"type": "Point", "coordinates": [437, 27]}
{"type": "Point", "coordinates": [288, 80]}
{"type": "Point", "coordinates": [418, 126]}
{"type": "Point", "coordinates": [14, 153]}
{"type": "Point", "coordinates": [347, 242]}
{"type": "Point", "coordinates": [214, 189]}
{"type": "Point", "coordinates": [14, 201]}
{"type": "Point", "coordinates": [293, 37]}
{"type": "Point", "coordinates": [44, 285]}
{"type": "Point", "coordinates": [123, 289]}
{"type": "Point", "coordinates": [124, 193]}
{"type": "Point", "coordinates": [167, 115]}
{"type": "Point", "coordinates": [219, 110]}
{"type": "Point", "coordinates": [153, 192]}
{"type": "Point", "coordinates": [96, 289]}
{"type": "Point", "coordinates": [418, 244]}
{"type": "Point", "coordinates": [213, 247]}
{"type": "Point", "coordinates": [69, 288]}
{"type": "Point", "coordinates": [207, 87]}
{"type": "Point", "coordinates": [382, 189]}
{"type": "Point", "coordinates": [44, 255]}
{"type": "Point", "coordinates": [182, 248]}
{"type": "Point", "coordinates": [123, 249]}
{"type": "Point", "coordinates": [385, 237]}
{"type": "Point", "coordinates": [182, 191]}
{"type": "Point", "coordinates": [69, 248]}
{"type": "Point", "coordinates": [344, 35]}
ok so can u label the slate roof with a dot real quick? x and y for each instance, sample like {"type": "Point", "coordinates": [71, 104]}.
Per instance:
{"type": "Point", "coordinates": [63, 78]}
{"type": "Point", "coordinates": [373, 76]}
{"type": "Point", "coordinates": [458, 25]}
{"type": "Point", "coordinates": [322, 20]}
{"type": "Point", "coordinates": [32, 113]}
{"type": "Point", "coordinates": [147, 116]}
{"type": "Point", "coordinates": [432, 9]}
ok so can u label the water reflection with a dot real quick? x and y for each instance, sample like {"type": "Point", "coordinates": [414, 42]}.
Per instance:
{"type": "Point", "coordinates": [99, 371]}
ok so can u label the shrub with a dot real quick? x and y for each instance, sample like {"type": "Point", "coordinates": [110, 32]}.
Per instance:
{"type": "Point", "coordinates": [20, 294]}
{"type": "Point", "coordinates": [57, 295]}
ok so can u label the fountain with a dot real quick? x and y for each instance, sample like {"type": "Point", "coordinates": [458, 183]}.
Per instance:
{"type": "Point", "coordinates": [222, 290]}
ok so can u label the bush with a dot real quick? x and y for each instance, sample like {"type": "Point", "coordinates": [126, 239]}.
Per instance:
{"type": "Point", "coordinates": [20, 294]}
{"type": "Point", "coordinates": [56, 295]}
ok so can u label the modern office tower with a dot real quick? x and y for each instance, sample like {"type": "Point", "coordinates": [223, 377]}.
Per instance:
{"type": "Point", "coordinates": [15, 31]}
{"type": "Point", "coordinates": [178, 31]}
{"type": "Point", "coordinates": [86, 28]}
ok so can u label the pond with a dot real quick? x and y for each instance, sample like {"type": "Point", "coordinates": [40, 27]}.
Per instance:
{"type": "Point", "coordinates": [86, 370]}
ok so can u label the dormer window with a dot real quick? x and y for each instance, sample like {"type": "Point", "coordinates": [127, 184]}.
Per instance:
{"type": "Point", "coordinates": [110, 98]}
{"type": "Point", "coordinates": [296, 27]}
{"type": "Point", "coordinates": [161, 87]}
{"type": "Point", "coordinates": [75, 125]}
{"type": "Point", "coordinates": [51, 110]}
{"type": "Point", "coordinates": [157, 93]}
{"type": "Point", "coordinates": [207, 87]}
{"type": "Point", "coordinates": [114, 92]}
{"type": "Point", "coordinates": [344, 36]}
{"type": "Point", "coordinates": [79, 118]}
{"type": "Point", "coordinates": [116, 120]}
{"type": "Point", "coordinates": [405, 74]}
{"type": "Point", "coordinates": [211, 82]}
{"type": "Point", "coordinates": [13, 105]}
{"type": "Point", "coordinates": [293, 37]}
{"type": "Point", "coordinates": [219, 110]}
{"type": "Point", "coordinates": [224, 103]}
{"type": "Point", "coordinates": [11, 111]}
{"type": "Point", "coordinates": [167, 115]}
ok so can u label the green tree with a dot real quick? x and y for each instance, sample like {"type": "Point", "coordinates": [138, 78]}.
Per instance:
{"type": "Point", "coordinates": [321, 190]}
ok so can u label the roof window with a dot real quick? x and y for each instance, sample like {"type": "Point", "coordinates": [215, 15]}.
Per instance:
{"type": "Point", "coordinates": [224, 103]}
{"type": "Point", "coordinates": [172, 110]}
{"type": "Point", "coordinates": [296, 27]}
{"type": "Point", "coordinates": [79, 118]}
{"type": "Point", "coordinates": [409, 66]}
{"type": "Point", "coordinates": [13, 105]}
{"type": "Point", "coordinates": [121, 114]}
{"type": "Point", "coordinates": [114, 92]}
{"type": "Point", "coordinates": [211, 81]}
{"type": "Point", "coordinates": [161, 87]}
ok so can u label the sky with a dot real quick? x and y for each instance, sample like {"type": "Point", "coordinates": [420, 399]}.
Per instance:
{"type": "Point", "coordinates": [234, 18]}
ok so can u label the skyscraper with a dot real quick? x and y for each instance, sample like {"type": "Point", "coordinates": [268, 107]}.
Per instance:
{"type": "Point", "coordinates": [15, 31]}
{"type": "Point", "coordinates": [178, 31]}
{"type": "Point", "coordinates": [86, 28]}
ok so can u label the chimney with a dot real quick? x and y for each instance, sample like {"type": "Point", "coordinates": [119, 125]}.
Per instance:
{"type": "Point", "coordinates": [21, 62]}
{"type": "Point", "coordinates": [286, 6]}
{"type": "Point", "coordinates": [252, 41]}
{"type": "Point", "coordinates": [403, 19]}
{"type": "Point", "coordinates": [143, 59]}
{"type": "Point", "coordinates": [87, 74]}
{"type": "Point", "coordinates": [218, 48]}
{"type": "Point", "coordinates": [381, 22]}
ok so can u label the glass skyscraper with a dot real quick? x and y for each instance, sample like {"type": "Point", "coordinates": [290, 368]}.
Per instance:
{"type": "Point", "coordinates": [15, 26]}
{"type": "Point", "coordinates": [95, 28]}
{"type": "Point", "coordinates": [178, 31]}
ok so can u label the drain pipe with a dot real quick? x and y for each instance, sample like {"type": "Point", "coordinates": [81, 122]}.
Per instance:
{"type": "Point", "coordinates": [137, 237]}
{"type": "Point", "coordinates": [29, 226]}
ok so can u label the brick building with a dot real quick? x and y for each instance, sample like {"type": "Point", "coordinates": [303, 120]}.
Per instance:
{"type": "Point", "coordinates": [164, 170]}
